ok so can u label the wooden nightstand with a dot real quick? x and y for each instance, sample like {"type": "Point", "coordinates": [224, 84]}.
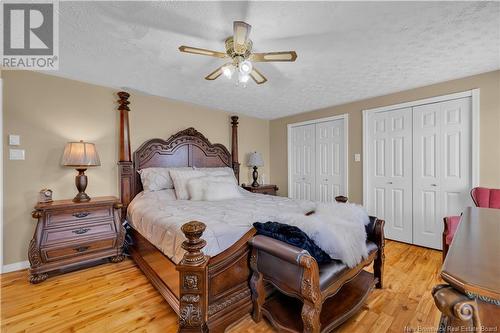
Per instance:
{"type": "Point", "coordinates": [262, 189]}
{"type": "Point", "coordinates": [70, 234]}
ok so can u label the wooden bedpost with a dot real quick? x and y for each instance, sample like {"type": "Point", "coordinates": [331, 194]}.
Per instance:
{"type": "Point", "coordinates": [125, 162]}
{"type": "Point", "coordinates": [193, 283]}
{"type": "Point", "coordinates": [234, 147]}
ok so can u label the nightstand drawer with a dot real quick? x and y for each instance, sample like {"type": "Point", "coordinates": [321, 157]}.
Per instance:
{"type": "Point", "coordinates": [55, 217]}
{"type": "Point", "coordinates": [262, 189]}
{"type": "Point", "coordinates": [268, 192]}
{"type": "Point", "coordinates": [76, 233]}
{"type": "Point", "coordinates": [77, 249]}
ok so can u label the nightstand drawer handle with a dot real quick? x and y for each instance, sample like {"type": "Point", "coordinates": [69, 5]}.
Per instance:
{"type": "Point", "coordinates": [81, 215]}
{"type": "Point", "coordinates": [81, 231]}
{"type": "Point", "coordinates": [82, 248]}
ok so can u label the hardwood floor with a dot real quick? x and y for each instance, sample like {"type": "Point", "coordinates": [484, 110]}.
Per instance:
{"type": "Point", "coordinates": [118, 298]}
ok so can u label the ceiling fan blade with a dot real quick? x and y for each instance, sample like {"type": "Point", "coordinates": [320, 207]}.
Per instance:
{"type": "Point", "coordinates": [257, 76]}
{"type": "Point", "coordinates": [241, 33]}
{"type": "Point", "coordinates": [196, 50]}
{"type": "Point", "coordinates": [274, 56]}
{"type": "Point", "coordinates": [215, 74]}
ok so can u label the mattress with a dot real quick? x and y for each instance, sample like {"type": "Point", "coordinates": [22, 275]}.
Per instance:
{"type": "Point", "coordinates": [158, 216]}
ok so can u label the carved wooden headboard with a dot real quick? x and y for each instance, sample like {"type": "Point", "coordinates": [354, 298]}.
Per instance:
{"type": "Point", "coordinates": [185, 148]}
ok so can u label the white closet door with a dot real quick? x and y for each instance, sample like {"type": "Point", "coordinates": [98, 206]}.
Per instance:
{"type": "Point", "coordinates": [330, 163]}
{"type": "Point", "coordinates": [442, 174]}
{"type": "Point", "coordinates": [389, 153]}
{"type": "Point", "coordinates": [303, 162]}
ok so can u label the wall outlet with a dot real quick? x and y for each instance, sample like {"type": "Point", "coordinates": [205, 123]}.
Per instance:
{"type": "Point", "coordinates": [14, 140]}
{"type": "Point", "coordinates": [16, 154]}
{"type": "Point", "coordinates": [357, 157]}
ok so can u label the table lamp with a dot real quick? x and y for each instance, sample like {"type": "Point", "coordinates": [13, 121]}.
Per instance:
{"type": "Point", "coordinates": [80, 155]}
{"type": "Point", "coordinates": [255, 160]}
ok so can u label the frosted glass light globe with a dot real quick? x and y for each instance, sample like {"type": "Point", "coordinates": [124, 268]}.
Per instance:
{"type": "Point", "coordinates": [243, 78]}
{"type": "Point", "coordinates": [228, 71]}
{"type": "Point", "coordinates": [245, 67]}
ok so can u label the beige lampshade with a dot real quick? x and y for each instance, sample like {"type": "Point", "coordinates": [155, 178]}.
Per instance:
{"type": "Point", "coordinates": [80, 155]}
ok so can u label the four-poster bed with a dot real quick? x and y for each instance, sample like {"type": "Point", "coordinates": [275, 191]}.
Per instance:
{"type": "Point", "coordinates": [206, 292]}
{"type": "Point", "coordinates": [209, 293]}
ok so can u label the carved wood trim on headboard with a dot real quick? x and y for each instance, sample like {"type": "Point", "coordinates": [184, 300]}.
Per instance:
{"type": "Point", "coordinates": [185, 148]}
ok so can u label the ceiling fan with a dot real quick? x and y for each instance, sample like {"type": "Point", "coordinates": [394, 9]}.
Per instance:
{"type": "Point", "coordinates": [239, 50]}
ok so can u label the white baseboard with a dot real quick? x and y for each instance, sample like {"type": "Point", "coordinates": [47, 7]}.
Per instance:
{"type": "Point", "coordinates": [17, 266]}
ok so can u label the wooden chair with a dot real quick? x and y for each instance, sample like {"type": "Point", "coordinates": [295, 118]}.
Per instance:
{"type": "Point", "coordinates": [324, 296]}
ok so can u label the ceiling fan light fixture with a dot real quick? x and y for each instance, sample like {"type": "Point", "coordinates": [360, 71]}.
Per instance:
{"type": "Point", "coordinates": [245, 67]}
{"type": "Point", "coordinates": [238, 49]}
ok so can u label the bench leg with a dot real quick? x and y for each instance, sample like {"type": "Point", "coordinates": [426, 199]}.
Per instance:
{"type": "Point", "coordinates": [310, 317]}
{"type": "Point", "coordinates": [257, 287]}
{"type": "Point", "coordinates": [378, 270]}
{"type": "Point", "coordinates": [378, 263]}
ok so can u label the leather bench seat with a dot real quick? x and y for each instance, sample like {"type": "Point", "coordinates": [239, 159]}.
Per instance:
{"type": "Point", "coordinates": [333, 271]}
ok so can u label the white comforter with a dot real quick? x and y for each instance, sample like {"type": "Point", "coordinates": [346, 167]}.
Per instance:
{"type": "Point", "coordinates": [158, 217]}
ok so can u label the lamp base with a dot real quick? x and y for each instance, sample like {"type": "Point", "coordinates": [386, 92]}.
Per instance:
{"type": "Point", "coordinates": [81, 197]}
{"type": "Point", "coordinates": [81, 185]}
{"type": "Point", "coordinates": [255, 175]}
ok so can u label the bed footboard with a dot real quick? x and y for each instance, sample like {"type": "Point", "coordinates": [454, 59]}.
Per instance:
{"type": "Point", "coordinates": [213, 291]}
{"type": "Point", "coordinates": [193, 280]}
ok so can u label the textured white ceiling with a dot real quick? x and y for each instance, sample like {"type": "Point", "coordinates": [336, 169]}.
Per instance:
{"type": "Point", "coordinates": [346, 51]}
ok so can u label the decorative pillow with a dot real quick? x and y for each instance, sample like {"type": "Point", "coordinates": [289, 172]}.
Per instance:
{"type": "Point", "coordinates": [198, 187]}
{"type": "Point", "coordinates": [216, 191]}
{"type": "Point", "coordinates": [180, 179]}
{"type": "Point", "coordinates": [213, 188]}
{"type": "Point", "coordinates": [156, 179]}
{"type": "Point", "coordinates": [293, 236]}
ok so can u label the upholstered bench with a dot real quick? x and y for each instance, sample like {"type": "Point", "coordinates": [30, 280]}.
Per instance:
{"type": "Point", "coordinates": [298, 295]}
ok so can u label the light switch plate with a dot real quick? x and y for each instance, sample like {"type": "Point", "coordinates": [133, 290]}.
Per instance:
{"type": "Point", "coordinates": [14, 140]}
{"type": "Point", "coordinates": [357, 157]}
{"type": "Point", "coordinates": [16, 154]}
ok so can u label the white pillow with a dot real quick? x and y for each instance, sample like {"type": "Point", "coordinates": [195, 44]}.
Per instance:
{"type": "Point", "coordinates": [197, 187]}
{"type": "Point", "coordinates": [156, 179]}
{"type": "Point", "coordinates": [180, 179]}
{"type": "Point", "coordinates": [162, 195]}
{"type": "Point", "coordinates": [222, 191]}
{"type": "Point", "coordinates": [213, 188]}
{"type": "Point", "coordinates": [222, 171]}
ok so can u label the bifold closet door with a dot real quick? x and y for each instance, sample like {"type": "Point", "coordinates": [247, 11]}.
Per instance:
{"type": "Point", "coordinates": [303, 162]}
{"type": "Point", "coordinates": [389, 155]}
{"type": "Point", "coordinates": [330, 160]}
{"type": "Point", "coordinates": [442, 166]}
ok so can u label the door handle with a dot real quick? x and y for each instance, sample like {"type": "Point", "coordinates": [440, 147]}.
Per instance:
{"type": "Point", "coordinates": [433, 184]}
{"type": "Point", "coordinates": [389, 183]}
{"type": "Point", "coordinates": [326, 179]}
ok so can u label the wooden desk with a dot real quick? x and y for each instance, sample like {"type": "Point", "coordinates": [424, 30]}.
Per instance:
{"type": "Point", "coordinates": [473, 261]}
{"type": "Point", "coordinates": [472, 270]}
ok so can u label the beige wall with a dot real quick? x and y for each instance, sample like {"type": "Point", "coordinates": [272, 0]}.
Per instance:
{"type": "Point", "coordinates": [489, 83]}
{"type": "Point", "coordinates": [48, 111]}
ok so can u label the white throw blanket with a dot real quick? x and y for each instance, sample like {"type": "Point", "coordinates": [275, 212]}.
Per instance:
{"type": "Point", "coordinates": [338, 229]}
